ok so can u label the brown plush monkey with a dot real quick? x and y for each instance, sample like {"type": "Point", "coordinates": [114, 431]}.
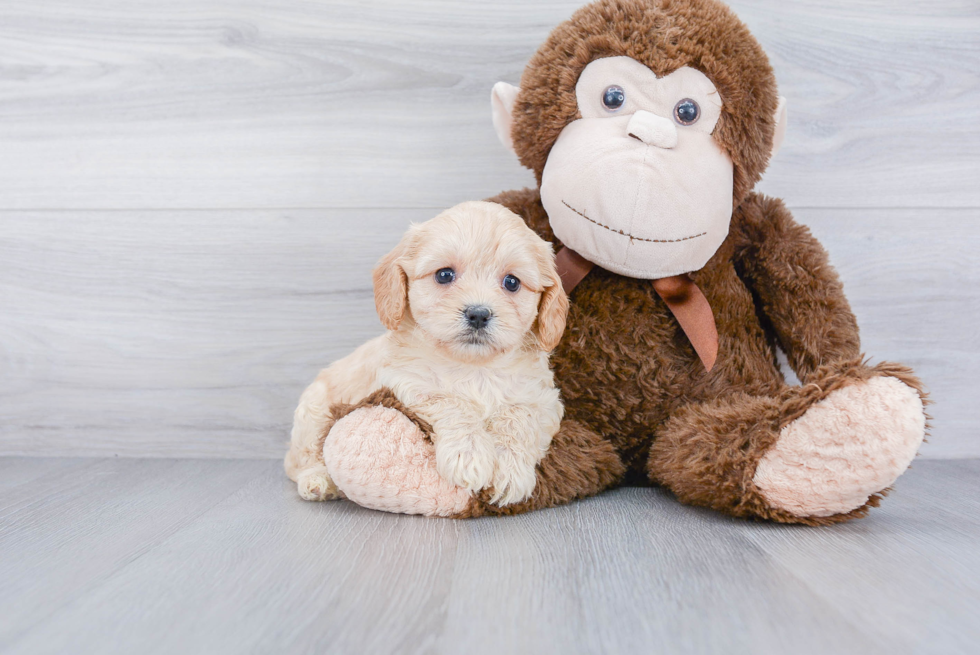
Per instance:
{"type": "Point", "coordinates": [647, 123]}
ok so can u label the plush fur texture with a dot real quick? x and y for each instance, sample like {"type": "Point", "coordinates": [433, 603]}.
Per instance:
{"type": "Point", "coordinates": [640, 384]}
{"type": "Point", "coordinates": [708, 453]}
{"type": "Point", "coordinates": [664, 35]}
{"type": "Point", "coordinates": [366, 455]}
{"type": "Point", "coordinates": [627, 223]}
{"type": "Point", "coordinates": [639, 406]}
{"type": "Point", "coordinates": [381, 453]}
{"type": "Point", "coordinates": [488, 393]}
{"type": "Point", "coordinates": [851, 444]}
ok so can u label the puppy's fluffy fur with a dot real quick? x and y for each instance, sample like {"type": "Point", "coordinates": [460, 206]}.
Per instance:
{"type": "Point", "coordinates": [488, 393]}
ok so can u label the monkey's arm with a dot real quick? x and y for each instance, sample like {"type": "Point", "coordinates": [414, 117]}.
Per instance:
{"type": "Point", "coordinates": [794, 284]}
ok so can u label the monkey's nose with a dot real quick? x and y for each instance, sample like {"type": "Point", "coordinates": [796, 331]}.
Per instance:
{"type": "Point", "coordinates": [652, 130]}
{"type": "Point", "coordinates": [477, 316]}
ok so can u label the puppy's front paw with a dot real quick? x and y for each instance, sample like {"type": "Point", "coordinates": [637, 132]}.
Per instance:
{"type": "Point", "coordinates": [513, 481]}
{"type": "Point", "coordinates": [466, 463]}
{"type": "Point", "coordinates": [316, 485]}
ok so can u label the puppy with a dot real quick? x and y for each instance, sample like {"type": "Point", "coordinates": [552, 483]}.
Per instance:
{"type": "Point", "coordinates": [473, 305]}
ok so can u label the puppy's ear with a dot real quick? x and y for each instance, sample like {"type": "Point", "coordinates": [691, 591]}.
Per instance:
{"type": "Point", "coordinates": [391, 287]}
{"type": "Point", "coordinates": [552, 309]}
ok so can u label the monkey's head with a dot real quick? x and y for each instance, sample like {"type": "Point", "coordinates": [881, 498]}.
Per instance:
{"type": "Point", "coordinates": [646, 122]}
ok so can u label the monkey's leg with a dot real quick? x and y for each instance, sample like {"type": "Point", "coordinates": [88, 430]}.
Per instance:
{"type": "Point", "coordinates": [381, 457]}
{"type": "Point", "coordinates": [822, 453]}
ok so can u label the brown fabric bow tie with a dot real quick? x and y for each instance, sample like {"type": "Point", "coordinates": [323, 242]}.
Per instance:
{"type": "Point", "coordinates": [681, 295]}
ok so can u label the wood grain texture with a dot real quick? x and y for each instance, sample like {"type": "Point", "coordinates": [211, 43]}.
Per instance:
{"type": "Point", "coordinates": [66, 532]}
{"type": "Point", "coordinates": [251, 568]}
{"type": "Point", "coordinates": [13, 473]}
{"type": "Point", "coordinates": [342, 103]}
{"type": "Point", "coordinates": [196, 324]}
{"type": "Point", "coordinates": [193, 333]}
{"type": "Point", "coordinates": [847, 565]}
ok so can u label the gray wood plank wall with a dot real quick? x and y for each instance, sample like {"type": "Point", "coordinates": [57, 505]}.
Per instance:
{"type": "Point", "coordinates": [192, 194]}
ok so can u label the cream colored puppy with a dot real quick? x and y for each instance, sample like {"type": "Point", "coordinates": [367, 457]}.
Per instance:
{"type": "Point", "coordinates": [473, 306]}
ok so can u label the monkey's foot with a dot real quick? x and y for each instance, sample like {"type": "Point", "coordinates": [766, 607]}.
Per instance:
{"type": "Point", "coordinates": [382, 460]}
{"type": "Point", "coordinates": [850, 445]}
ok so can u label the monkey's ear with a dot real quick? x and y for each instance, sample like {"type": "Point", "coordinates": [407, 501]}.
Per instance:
{"type": "Point", "coordinates": [502, 100]}
{"type": "Point", "coordinates": [780, 133]}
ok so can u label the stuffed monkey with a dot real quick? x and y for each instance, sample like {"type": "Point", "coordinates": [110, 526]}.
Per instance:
{"type": "Point", "coordinates": [647, 124]}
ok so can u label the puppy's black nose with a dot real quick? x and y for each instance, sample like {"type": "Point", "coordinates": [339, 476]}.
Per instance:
{"type": "Point", "coordinates": [477, 316]}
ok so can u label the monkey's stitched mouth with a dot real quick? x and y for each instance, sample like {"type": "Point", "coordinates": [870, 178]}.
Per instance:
{"type": "Point", "coordinates": [627, 234]}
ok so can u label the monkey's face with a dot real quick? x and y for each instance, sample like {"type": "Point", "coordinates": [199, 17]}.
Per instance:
{"type": "Point", "coordinates": [638, 185]}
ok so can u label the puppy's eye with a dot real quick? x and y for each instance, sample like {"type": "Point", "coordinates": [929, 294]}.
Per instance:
{"type": "Point", "coordinates": [445, 275]}
{"type": "Point", "coordinates": [687, 112]}
{"type": "Point", "coordinates": [613, 98]}
{"type": "Point", "coordinates": [512, 284]}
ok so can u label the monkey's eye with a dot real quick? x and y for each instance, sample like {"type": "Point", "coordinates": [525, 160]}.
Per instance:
{"type": "Point", "coordinates": [511, 283]}
{"type": "Point", "coordinates": [445, 275]}
{"type": "Point", "coordinates": [687, 112]}
{"type": "Point", "coordinates": [613, 98]}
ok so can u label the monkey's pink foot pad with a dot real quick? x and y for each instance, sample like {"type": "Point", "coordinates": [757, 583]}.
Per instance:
{"type": "Point", "coordinates": [381, 460]}
{"type": "Point", "coordinates": [852, 444]}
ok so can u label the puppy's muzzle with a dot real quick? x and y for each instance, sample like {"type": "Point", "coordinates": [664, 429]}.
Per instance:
{"type": "Point", "coordinates": [477, 316]}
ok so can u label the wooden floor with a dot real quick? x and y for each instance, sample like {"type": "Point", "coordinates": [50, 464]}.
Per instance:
{"type": "Point", "coordinates": [220, 556]}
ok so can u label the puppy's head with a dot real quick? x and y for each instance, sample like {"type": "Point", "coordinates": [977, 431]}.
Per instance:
{"type": "Point", "coordinates": [476, 280]}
